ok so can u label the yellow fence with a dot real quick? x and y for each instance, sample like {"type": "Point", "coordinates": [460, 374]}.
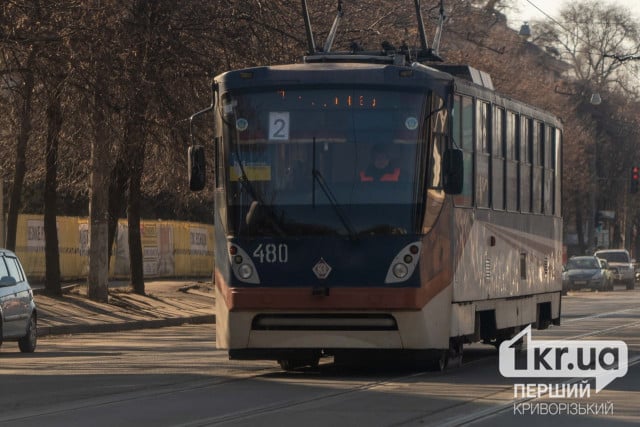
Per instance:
{"type": "Point", "coordinates": [170, 248]}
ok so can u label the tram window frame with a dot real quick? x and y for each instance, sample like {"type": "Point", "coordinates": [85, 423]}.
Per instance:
{"type": "Point", "coordinates": [498, 159]}
{"type": "Point", "coordinates": [222, 138]}
{"type": "Point", "coordinates": [537, 174]}
{"type": "Point", "coordinates": [463, 123]}
{"type": "Point", "coordinates": [548, 198]}
{"type": "Point", "coordinates": [557, 158]}
{"type": "Point", "coordinates": [483, 154]}
{"type": "Point", "coordinates": [511, 162]}
{"type": "Point", "coordinates": [525, 165]}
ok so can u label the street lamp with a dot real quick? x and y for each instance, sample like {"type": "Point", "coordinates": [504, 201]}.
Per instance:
{"type": "Point", "coordinates": [594, 99]}
{"type": "Point", "coordinates": [525, 31]}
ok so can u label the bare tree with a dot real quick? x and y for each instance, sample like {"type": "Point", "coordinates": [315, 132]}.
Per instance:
{"type": "Point", "coordinates": [25, 98]}
{"type": "Point", "coordinates": [588, 36]}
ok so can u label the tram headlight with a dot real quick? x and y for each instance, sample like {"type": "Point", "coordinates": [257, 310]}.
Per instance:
{"type": "Point", "coordinates": [245, 271]}
{"type": "Point", "coordinates": [404, 264]}
{"type": "Point", "coordinates": [242, 266]}
{"type": "Point", "coordinates": [400, 271]}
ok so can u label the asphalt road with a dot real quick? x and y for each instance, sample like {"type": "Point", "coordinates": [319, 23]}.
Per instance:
{"type": "Point", "coordinates": [175, 377]}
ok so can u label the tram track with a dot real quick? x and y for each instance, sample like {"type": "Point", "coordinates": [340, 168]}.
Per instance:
{"type": "Point", "coordinates": [330, 386]}
{"type": "Point", "coordinates": [488, 413]}
{"type": "Point", "coordinates": [250, 414]}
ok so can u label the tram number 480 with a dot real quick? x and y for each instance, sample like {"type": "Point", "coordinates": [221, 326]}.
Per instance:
{"type": "Point", "coordinates": [272, 253]}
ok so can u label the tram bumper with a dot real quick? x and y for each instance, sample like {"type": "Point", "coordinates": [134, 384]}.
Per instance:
{"type": "Point", "coordinates": [271, 334]}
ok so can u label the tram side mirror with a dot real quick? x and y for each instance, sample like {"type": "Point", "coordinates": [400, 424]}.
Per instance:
{"type": "Point", "coordinates": [453, 168]}
{"type": "Point", "coordinates": [197, 168]}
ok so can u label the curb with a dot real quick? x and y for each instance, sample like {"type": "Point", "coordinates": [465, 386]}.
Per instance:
{"type": "Point", "coordinates": [124, 326]}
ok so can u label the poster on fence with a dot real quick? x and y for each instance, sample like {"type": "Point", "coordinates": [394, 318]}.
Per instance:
{"type": "Point", "coordinates": [121, 251]}
{"type": "Point", "coordinates": [35, 235]}
{"type": "Point", "coordinates": [149, 236]}
{"type": "Point", "coordinates": [157, 248]}
{"type": "Point", "coordinates": [198, 238]}
{"type": "Point", "coordinates": [83, 245]}
{"type": "Point", "coordinates": [166, 262]}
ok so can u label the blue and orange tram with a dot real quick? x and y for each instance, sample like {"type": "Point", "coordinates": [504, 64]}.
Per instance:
{"type": "Point", "coordinates": [312, 260]}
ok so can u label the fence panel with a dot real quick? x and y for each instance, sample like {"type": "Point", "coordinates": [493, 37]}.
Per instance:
{"type": "Point", "coordinates": [170, 248]}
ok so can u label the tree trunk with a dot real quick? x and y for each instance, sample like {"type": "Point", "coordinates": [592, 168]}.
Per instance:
{"type": "Point", "coordinates": [15, 201]}
{"type": "Point", "coordinates": [133, 216]}
{"type": "Point", "coordinates": [51, 249]}
{"type": "Point", "coordinates": [135, 132]}
{"type": "Point", "coordinates": [117, 196]}
{"type": "Point", "coordinates": [135, 136]}
{"type": "Point", "coordinates": [98, 204]}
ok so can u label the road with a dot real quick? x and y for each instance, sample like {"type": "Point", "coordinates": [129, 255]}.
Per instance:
{"type": "Point", "coordinates": [176, 377]}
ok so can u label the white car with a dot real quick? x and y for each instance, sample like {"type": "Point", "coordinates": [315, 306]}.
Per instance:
{"type": "Point", "coordinates": [18, 317]}
{"type": "Point", "coordinates": [620, 264]}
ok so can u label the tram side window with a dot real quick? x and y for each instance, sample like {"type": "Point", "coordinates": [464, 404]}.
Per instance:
{"type": "Point", "coordinates": [537, 147]}
{"type": "Point", "coordinates": [482, 154]}
{"type": "Point", "coordinates": [511, 178]}
{"type": "Point", "coordinates": [557, 143]}
{"type": "Point", "coordinates": [547, 189]}
{"type": "Point", "coordinates": [498, 159]}
{"type": "Point", "coordinates": [218, 154]}
{"type": "Point", "coordinates": [525, 164]}
{"type": "Point", "coordinates": [463, 137]}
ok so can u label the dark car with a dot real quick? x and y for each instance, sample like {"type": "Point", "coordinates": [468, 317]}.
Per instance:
{"type": "Point", "coordinates": [586, 272]}
{"type": "Point", "coordinates": [17, 309]}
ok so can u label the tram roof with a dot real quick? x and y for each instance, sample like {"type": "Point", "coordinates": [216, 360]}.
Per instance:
{"type": "Point", "coordinates": [343, 70]}
{"type": "Point", "coordinates": [333, 72]}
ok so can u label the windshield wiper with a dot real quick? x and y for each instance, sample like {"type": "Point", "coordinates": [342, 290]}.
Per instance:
{"type": "Point", "coordinates": [317, 176]}
{"type": "Point", "coordinates": [334, 203]}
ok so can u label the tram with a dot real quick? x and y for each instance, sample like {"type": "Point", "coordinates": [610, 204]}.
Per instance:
{"type": "Point", "coordinates": [457, 240]}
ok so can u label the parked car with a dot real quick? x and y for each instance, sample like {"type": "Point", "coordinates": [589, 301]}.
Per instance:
{"type": "Point", "coordinates": [18, 316]}
{"type": "Point", "coordinates": [621, 265]}
{"type": "Point", "coordinates": [586, 272]}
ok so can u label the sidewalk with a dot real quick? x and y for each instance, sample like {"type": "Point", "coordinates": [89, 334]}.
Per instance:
{"type": "Point", "coordinates": [167, 303]}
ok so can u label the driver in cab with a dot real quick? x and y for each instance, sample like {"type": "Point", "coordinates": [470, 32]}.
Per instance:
{"type": "Point", "coordinates": [381, 168]}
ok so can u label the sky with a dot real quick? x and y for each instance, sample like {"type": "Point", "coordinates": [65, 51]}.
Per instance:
{"type": "Point", "coordinates": [527, 12]}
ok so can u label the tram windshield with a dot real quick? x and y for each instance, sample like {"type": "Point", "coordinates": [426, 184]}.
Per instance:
{"type": "Point", "coordinates": [330, 160]}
